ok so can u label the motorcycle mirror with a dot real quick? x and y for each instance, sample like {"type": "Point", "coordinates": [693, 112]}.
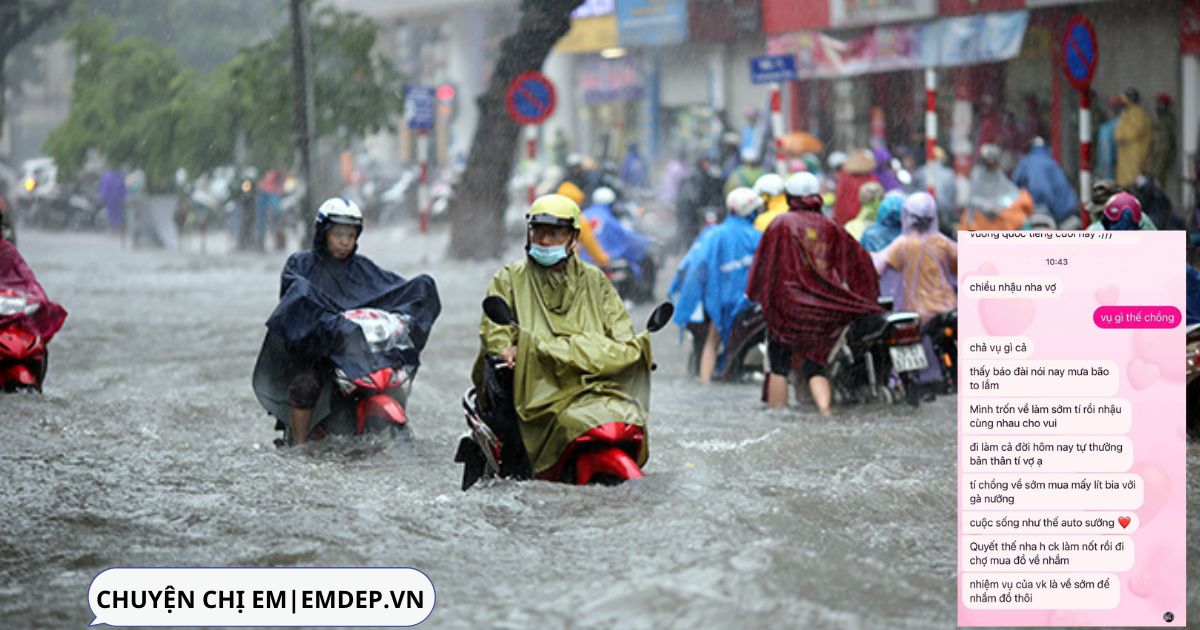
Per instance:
{"type": "Point", "coordinates": [661, 315]}
{"type": "Point", "coordinates": [498, 310]}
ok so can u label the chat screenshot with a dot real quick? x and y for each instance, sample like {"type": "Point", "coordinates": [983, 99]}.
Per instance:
{"type": "Point", "coordinates": [1071, 433]}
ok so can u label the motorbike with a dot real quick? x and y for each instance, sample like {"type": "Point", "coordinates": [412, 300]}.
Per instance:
{"type": "Point", "coordinates": [22, 352]}
{"type": "Point", "coordinates": [638, 285]}
{"type": "Point", "coordinates": [745, 352]}
{"type": "Point", "coordinates": [942, 331]}
{"type": "Point", "coordinates": [372, 403]}
{"type": "Point", "coordinates": [1193, 381]}
{"type": "Point", "coordinates": [492, 446]}
{"type": "Point", "coordinates": [869, 349]}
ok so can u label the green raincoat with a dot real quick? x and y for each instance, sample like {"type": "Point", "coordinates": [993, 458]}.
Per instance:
{"type": "Point", "coordinates": [578, 363]}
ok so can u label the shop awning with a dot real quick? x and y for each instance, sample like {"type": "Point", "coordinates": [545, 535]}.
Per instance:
{"type": "Point", "coordinates": [944, 42]}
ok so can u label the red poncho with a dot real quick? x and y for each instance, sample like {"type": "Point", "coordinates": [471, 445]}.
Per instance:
{"type": "Point", "coordinates": [845, 204]}
{"type": "Point", "coordinates": [15, 275]}
{"type": "Point", "coordinates": [811, 278]}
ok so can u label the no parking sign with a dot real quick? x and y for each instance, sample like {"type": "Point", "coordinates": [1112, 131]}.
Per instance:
{"type": "Point", "coordinates": [530, 98]}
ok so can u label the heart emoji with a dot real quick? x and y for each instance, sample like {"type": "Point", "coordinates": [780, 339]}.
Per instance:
{"type": "Point", "coordinates": [1124, 521]}
{"type": "Point", "coordinates": [1141, 373]}
{"type": "Point", "coordinates": [1107, 295]}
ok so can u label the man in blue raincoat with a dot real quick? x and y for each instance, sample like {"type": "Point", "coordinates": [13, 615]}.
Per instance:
{"type": "Point", "coordinates": [618, 241]}
{"type": "Point", "coordinates": [714, 287]}
{"type": "Point", "coordinates": [1038, 173]}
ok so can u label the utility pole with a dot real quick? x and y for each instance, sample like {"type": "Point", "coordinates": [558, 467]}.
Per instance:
{"type": "Point", "coordinates": [302, 89]}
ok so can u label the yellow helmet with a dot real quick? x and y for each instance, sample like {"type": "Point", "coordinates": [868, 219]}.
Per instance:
{"type": "Point", "coordinates": [554, 210]}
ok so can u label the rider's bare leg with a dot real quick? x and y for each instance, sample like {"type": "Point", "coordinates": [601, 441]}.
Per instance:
{"type": "Point", "coordinates": [708, 355]}
{"type": "Point", "coordinates": [777, 390]}
{"type": "Point", "coordinates": [300, 419]}
{"type": "Point", "coordinates": [822, 393]}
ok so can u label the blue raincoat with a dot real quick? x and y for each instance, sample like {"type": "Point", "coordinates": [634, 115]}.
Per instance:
{"type": "Point", "coordinates": [887, 224]}
{"type": "Point", "coordinates": [617, 240]}
{"type": "Point", "coordinates": [1038, 173]}
{"type": "Point", "coordinates": [716, 275]}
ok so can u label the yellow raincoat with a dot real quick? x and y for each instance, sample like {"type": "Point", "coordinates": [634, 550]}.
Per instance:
{"type": "Point", "coordinates": [578, 366]}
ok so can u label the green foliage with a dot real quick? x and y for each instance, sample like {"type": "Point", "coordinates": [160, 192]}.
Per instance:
{"type": "Point", "coordinates": [137, 103]}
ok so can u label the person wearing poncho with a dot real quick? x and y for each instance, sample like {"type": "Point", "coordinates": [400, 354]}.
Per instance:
{"type": "Point", "coordinates": [16, 276]}
{"type": "Point", "coordinates": [812, 279]}
{"type": "Point", "coordinates": [577, 363]}
{"type": "Point", "coordinates": [714, 289]}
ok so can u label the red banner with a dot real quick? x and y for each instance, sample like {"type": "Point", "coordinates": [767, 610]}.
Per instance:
{"type": "Point", "coordinates": [1189, 28]}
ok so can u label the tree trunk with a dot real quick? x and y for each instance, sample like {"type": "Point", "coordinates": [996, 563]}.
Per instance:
{"type": "Point", "coordinates": [477, 211]}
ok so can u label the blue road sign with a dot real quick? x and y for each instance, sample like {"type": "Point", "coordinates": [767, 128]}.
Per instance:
{"type": "Point", "coordinates": [773, 69]}
{"type": "Point", "coordinates": [530, 98]}
{"type": "Point", "coordinates": [419, 102]}
{"type": "Point", "coordinates": [1080, 50]}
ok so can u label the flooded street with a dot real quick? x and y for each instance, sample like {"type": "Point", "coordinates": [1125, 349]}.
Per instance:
{"type": "Point", "coordinates": [149, 448]}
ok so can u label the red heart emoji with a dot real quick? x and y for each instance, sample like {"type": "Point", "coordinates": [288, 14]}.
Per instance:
{"type": "Point", "coordinates": [1124, 521]}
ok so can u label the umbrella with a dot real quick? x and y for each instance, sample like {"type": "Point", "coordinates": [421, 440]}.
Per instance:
{"type": "Point", "coordinates": [800, 142]}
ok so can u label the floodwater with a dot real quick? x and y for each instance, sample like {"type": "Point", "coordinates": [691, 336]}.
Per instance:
{"type": "Point", "coordinates": [149, 449]}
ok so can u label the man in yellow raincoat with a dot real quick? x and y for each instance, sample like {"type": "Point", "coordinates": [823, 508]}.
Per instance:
{"type": "Point", "coordinates": [1133, 139]}
{"type": "Point", "coordinates": [577, 364]}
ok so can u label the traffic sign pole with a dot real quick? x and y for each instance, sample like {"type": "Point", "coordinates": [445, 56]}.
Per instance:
{"type": "Point", "coordinates": [777, 128]}
{"type": "Point", "coordinates": [931, 130]}
{"type": "Point", "coordinates": [1085, 152]}
{"type": "Point", "coordinates": [531, 153]}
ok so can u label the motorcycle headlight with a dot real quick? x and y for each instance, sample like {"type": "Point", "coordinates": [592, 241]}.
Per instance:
{"type": "Point", "coordinates": [399, 377]}
{"type": "Point", "coordinates": [343, 381]}
{"type": "Point", "coordinates": [30, 184]}
{"type": "Point", "coordinates": [13, 304]}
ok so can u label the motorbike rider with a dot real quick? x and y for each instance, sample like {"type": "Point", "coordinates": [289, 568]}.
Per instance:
{"type": "Point", "coordinates": [1123, 211]}
{"type": "Point", "coordinates": [576, 362]}
{"type": "Point", "coordinates": [8, 222]}
{"type": "Point", "coordinates": [715, 287]}
{"type": "Point", "coordinates": [996, 203]}
{"type": "Point", "coordinates": [870, 195]}
{"type": "Point", "coordinates": [316, 286]}
{"type": "Point", "coordinates": [812, 279]}
{"type": "Point", "coordinates": [1102, 191]}
{"type": "Point", "coordinates": [770, 188]}
{"type": "Point", "coordinates": [617, 241]}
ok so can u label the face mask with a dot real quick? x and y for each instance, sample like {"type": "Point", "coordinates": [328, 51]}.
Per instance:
{"type": "Point", "coordinates": [548, 256]}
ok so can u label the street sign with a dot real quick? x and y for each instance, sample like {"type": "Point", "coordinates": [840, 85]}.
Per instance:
{"type": "Point", "coordinates": [1079, 52]}
{"type": "Point", "coordinates": [419, 102]}
{"type": "Point", "coordinates": [530, 98]}
{"type": "Point", "coordinates": [773, 69]}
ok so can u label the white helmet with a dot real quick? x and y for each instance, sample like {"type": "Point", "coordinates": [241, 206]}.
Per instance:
{"type": "Point", "coordinates": [743, 202]}
{"type": "Point", "coordinates": [769, 185]}
{"type": "Point", "coordinates": [749, 155]}
{"type": "Point", "coordinates": [603, 196]}
{"type": "Point", "coordinates": [802, 184]}
{"type": "Point", "coordinates": [836, 160]}
{"type": "Point", "coordinates": [340, 210]}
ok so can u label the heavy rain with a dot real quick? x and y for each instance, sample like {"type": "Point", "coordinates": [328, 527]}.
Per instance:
{"type": "Point", "coordinates": [162, 163]}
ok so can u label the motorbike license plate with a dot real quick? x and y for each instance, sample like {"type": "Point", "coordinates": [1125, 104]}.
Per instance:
{"type": "Point", "coordinates": [908, 358]}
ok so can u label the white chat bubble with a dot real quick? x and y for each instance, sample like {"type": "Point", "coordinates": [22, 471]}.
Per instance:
{"type": "Point", "coordinates": [1040, 591]}
{"type": "Point", "coordinates": [1067, 416]}
{"type": "Point", "coordinates": [261, 596]}
{"type": "Point", "coordinates": [1012, 287]}
{"type": "Point", "coordinates": [1050, 491]}
{"type": "Point", "coordinates": [1047, 553]}
{"type": "Point", "coordinates": [1040, 378]}
{"type": "Point", "coordinates": [996, 348]}
{"type": "Point", "coordinates": [1081, 453]}
{"type": "Point", "coordinates": [1049, 522]}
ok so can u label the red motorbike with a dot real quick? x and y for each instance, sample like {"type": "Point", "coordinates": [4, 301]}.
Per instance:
{"type": "Point", "coordinates": [371, 403]}
{"type": "Point", "coordinates": [22, 352]}
{"type": "Point", "coordinates": [493, 448]}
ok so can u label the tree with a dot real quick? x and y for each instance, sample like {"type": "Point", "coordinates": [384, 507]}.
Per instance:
{"type": "Point", "coordinates": [478, 210]}
{"type": "Point", "coordinates": [135, 101]}
{"type": "Point", "coordinates": [19, 19]}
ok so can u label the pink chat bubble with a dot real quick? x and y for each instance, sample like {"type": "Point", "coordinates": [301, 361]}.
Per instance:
{"type": "Point", "coordinates": [1040, 591]}
{"type": "Point", "coordinates": [1066, 416]}
{"type": "Point", "coordinates": [1136, 317]}
{"type": "Point", "coordinates": [1050, 522]}
{"type": "Point", "coordinates": [1047, 553]}
{"type": "Point", "coordinates": [1081, 453]}
{"type": "Point", "coordinates": [1051, 491]}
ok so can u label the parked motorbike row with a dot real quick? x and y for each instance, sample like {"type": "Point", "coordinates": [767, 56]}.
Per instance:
{"type": "Point", "coordinates": [42, 201]}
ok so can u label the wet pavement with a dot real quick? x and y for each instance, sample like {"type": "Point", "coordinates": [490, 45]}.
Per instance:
{"type": "Point", "coordinates": [148, 448]}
